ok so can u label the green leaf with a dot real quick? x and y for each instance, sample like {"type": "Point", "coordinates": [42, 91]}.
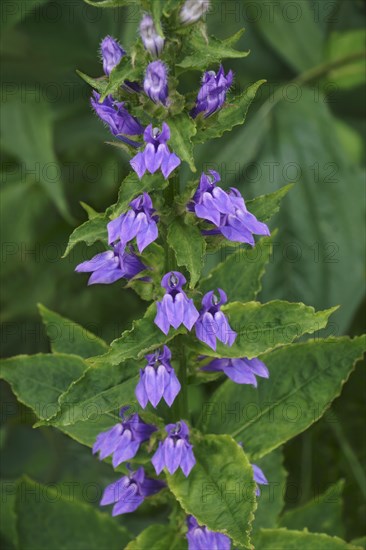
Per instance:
{"type": "Point", "coordinates": [154, 259]}
{"type": "Point", "coordinates": [39, 380]}
{"type": "Point", "coordinates": [241, 272]}
{"type": "Point", "coordinates": [272, 497]}
{"type": "Point", "coordinates": [29, 138]}
{"type": "Point", "coordinates": [183, 129]}
{"type": "Point", "coordinates": [321, 515]}
{"type": "Point", "coordinates": [228, 117]}
{"type": "Point", "coordinates": [143, 337]}
{"type": "Point", "coordinates": [189, 247]}
{"type": "Point", "coordinates": [219, 491]}
{"type": "Point", "coordinates": [287, 28]}
{"type": "Point", "coordinates": [49, 519]}
{"type": "Point", "coordinates": [359, 542]}
{"type": "Point", "coordinates": [89, 210]}
{"type": "Point", "coordinates": [158, 537]}
{"type": "Point", "coordinates": [69, 337]}
{"type": "Point", "coordinates": [266, 206]}
{"type": "Point", "coordinates": [9, 519]}
{"type": "Point", "coordinates": [99, 84]}
{"type": "Point", "coordinates": [273, 539]}
{"type": "Point", "coordinates": [207, 51]}
{"type": "Point", "coordinates": [89, 232]}
{"type": "Point", "coordinates": [133, 186]}
{"type": "Point", "coordinates": [100, 390]}
{"type": "Point", "coordinates": [304, 380]}
{"type": "Point", "coordinates": [262, 327]}
{"type": "Point", "coordinates": [111, 3]}
{"type": "Point", "coordinates": [342, 46]}
{"type": "Point", "coordinates": [123, 71]}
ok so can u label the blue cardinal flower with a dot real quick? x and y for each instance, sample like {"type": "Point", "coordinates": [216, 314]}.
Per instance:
{"type": "Point", "coordinates": [240, 371]}
{"type": "Point", "coordinates": [152, 41]}
{"type": "Point", "coordinates": [129, 492]}
{"type": "Point", "coordinates": [139, 222]}
{"type": "Point", "coordinates": [212, 94]}
{"type": "Point", "coordinates": [156, 154]}
{"type": "Point", "coordinates": [175, 308]}
{"type": "Point", "coordinates": [111, 52]}
{"type": "Point", "coordinates": [225, 210]}
{"type": "Point", "coordinates": [112, 265]}
{"type": "Point", "coordinates": [193, 10]}
{"type": "Point", "coordinates": [212, 324]}
{"type": "Point", "coordinates": [124, 439]}
{"type": "Point", "coordinates": [117, 118]}
{"type": "Point", "coordinates": [202, 538]}
{"type": "Point", "coordinates": [156, 82]}
{"type": "Point", "coordinates": [175, 451]}
{"type": "Point", "coordinates": [157, 380]}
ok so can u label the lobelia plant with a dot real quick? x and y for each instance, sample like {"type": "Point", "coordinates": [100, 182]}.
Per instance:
{"type": "Point", "coordinates": [185, 441]}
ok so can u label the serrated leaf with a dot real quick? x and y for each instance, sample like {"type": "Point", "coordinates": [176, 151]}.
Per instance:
{"type": "Point", "coordinates": [272, 539]}
{"type": "Point", "coordinates": [143, 337]}
{"type": "Point", "coordinates": [99, 84]}
{"type": "Point", "coordinates": [241, 272]}
{"type": "Point", "coordinates": [219, 491]}
{"type": "Point", "coordinates": [189, 247]}
{"type": "Point", "coordinates": [89, 232]}
{"type": "Point", "coordinates": [272, 498]}
{"type": "Point", "coordinates": [68, 337]}
{"type": "Point", "coordinates": [209, 51]}
{"type": "Point", "coordinates": [183, 129]}
{"type": "Point", "coordinates": [262, 327]}
{"type": "Point", "coordinates": [131, 187]}
{"type": "Point", "coordinates": [39, 380]}
{"type": "Point", "coordinates": [98, 391]}
{"type": "Point", "coordinates": [46, 514]}
{"type": "Point", "coordinates": [266, 206]}
{"type": "Point", "coordinates": [123, 71]}
{"type": "Point", "coordinates": [158, 537]}
{"type": "Point", "coordinates": [228, 117]}
{"type": "Point", "coordinates": [304, 380]}
{"type": "Point", "coordinates": [323, 514]}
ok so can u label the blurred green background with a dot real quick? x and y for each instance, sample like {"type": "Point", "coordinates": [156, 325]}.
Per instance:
{"type": "Point", "coordinates": [307, 127]}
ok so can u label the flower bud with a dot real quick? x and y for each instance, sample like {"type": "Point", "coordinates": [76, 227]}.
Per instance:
{"type": "Point", "coordinates": [156, 82]}
{"type": "Point", "coordinates": [153, 42]}
{"type": "Point", "coordinates": [193, 10]}
{"type": "Point", "coordinates": [112, 53]}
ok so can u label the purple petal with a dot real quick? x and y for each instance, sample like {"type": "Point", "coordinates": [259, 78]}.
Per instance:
{"type": "Point", "coordinates": [239, 373]}
{"type": "Point", "coordinates": [190, 314]}
{"type": "Point", "coordinates": [114, 229]}
{"type": "Point", "coordinates": [100, 260]}
{"type": "Point", "coordinates": [188, 460]}
{"type": "Point", "coordinates": [138, 164]}
{"type": "Point", "coordinates": [161, 319]}
{"type": "Point", "coordinates": [169, 164]}
{"type": "Point", "coordinates": [173, 454]}
{"type": "Point", "coordinates": [114, 491]}
{"type": "Point", "coordinates": [147, 235]}
{"type": "Point", "coordinates": [172, 387]}
{"type": "Point", "coordinates": [105, 276]}
{"type": "Point", "coordinates": [158, 459]}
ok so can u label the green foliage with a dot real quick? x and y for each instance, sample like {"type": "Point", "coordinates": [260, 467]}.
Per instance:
{"type": "Point", "coordinates": [189, 247]}
{"type": "Point", "coordinates": [269, 539]}
{"type": "Point", "coordinates": [158, 537]}
{"type": "Point", "coordinates": [339, 46]}
{"type": "Point", "coordinates": [219, 492]}
{"type": "Point", "coordinates": [305, 378]}
{"type": "Point", "coordinates": [183, 129]}
{"type": "Point", "coordinates": [89, 232]}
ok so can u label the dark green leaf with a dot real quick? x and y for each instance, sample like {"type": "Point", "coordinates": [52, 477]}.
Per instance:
{"type": "Point", "coordinates": [8, 524]}
{"type": "Point", "coordinates": [273, 539]}
{"type": "Point", "coordinates": [89, 232]}
{"type": "Point", "coordinates": [69, 337]}
{"type": "Point", "coordinates": [266, 206]}
{"type": "Point", "coordinates": [342, 46]}
{"type": "Point", "coordinates": [111, 3]}
{"type": "Point", "coordinates": [99, 84]}
{"type": "Point", "coordinates": [219, 491]}
{"type": "Point", "coordinates": [158, 537]}
{"type": "Point", "coordinates": [123, 71]}
{"type": "Point", "coordinates": [304, 380]}
{"type": "Point", "coordinates": [183, 129]}
{"type": "Point", "coordinates": [189, 247]}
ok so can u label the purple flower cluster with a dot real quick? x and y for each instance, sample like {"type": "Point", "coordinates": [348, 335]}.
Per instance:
{"type": "Point", "coordinates": [156, 154]}
{"type": "Point", "coordinates": [139, 222]}
{"type": "Point", "coordinates": [175, 451]}
{"type": "Point", "coordinates": [240, 371]}
{"type": "Point", "coordinates": [112, 265]}
{"type": "Point", "coordinates": [212, 94]}
{"type": "Point", "coordinates": [157, 380]}
{"type": "Point", "coordinates": [212, 324]}
{"type": "Point", "coordinates": [112, 53]}
{"type": "Point", "coordinates": [156, 82]}
{"type": "Point", "coordinates": [175, 308]}
{"type": "Point", "coordinates": [227, 211]}
{"type": "Point", "coordinates": [202, 538]}
{"type": "Point", "coordinates": [152, 41]}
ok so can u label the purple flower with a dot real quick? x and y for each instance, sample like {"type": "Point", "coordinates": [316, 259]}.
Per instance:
{"type": "Point", "coordinates": [117, 118]}
{"type": "Point", "coordinates": [124, 439]}
{"type": "Point", "coordinates": [112, 53]}
{"type": "Point", "coordinates": [110, 266]}
{"type": "Point", "coordinates": [259, 478]}
{"type": "Point", "coordinates": [202, 538]}
{"type": "Point", "coordinates": [157, 380]}
{"type": "Point", "coordinates": [212, 94]}
{"type": "Point", "coordinates": [225, 210]}
{"type": "Point", "coordinates": [139, 221]}
{"type": "Point", "coordinates": [156, 154]}
{"type": "Point", "coordinates": [193, 10]}
{"type": "Point", "coordinates": [175, 308]}
{"type": "Point", "coordinates": [152, 41]}
{"type": "Point", "coordinates": [212, 323]}
{"type": "Point", "coordinates": [241, 371]}
{"type": "Point", "coordinates": [156, 82]}
{"type": "Point", "coordinates": [130, 491]}
{"type": "Point", "coordinates": [175, 450]}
